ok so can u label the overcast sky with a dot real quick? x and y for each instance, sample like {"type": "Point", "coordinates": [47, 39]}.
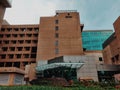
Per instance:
{"type": "Point", "coordinates": [94, 14]}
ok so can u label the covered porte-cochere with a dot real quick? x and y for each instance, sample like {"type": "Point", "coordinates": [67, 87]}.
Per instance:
{"type": "Point", "coordinates": [63, 70]}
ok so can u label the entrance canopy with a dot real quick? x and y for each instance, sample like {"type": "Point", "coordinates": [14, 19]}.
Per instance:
{"type": "Point", "coordinates": [56, 65]}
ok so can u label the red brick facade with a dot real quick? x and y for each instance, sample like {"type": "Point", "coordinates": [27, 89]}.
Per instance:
{"type": "Point", "coordinates": [111, 52]}
{"type": "Point", "coordinates": [59, 35]}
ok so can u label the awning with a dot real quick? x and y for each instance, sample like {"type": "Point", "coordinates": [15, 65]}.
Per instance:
{"type": "Point", "coordinates": [56, 65]}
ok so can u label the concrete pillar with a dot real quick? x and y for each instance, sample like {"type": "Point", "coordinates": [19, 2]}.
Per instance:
{"type": "Point", "coordinates": [11, 79]}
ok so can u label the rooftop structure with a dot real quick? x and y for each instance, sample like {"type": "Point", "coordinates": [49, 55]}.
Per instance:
{"type": "Point", "coordinates": [65, 11]}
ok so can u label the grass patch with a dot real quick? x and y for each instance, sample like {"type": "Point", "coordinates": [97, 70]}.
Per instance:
{"type": "Point", "coordinates": [80, 87]}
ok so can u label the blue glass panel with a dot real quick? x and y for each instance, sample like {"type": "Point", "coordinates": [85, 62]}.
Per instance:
{"type": "Point", "coordinates": [93, 40]}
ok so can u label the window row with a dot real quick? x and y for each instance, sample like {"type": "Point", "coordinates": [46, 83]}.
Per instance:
{"type": "Point", "coordinates": [19, 29]}
{"type": "Point", "coordinates": [18, 41]}
{"type": "Point", "coordinates": [11, 56]}
{"type": "Point", "coordinates": [32, 49]}
{"type": "Point", "coordinates": [15, 64]}
{"type": "Point", "coordinates": [18, 35]}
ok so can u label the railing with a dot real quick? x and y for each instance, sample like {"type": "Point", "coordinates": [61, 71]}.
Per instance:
{"type": "Point", "coordinates": [64, 11]}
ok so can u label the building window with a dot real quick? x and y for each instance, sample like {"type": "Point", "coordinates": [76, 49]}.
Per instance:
{"type": "Point", "coordinates": [100, 59]}
{"type": "Point", "coordinates": [4, 48]}
{"type": "Point", "coordinates": [9, 29]}
{"type": "Point", "coordinates": [1, 64]}
{"type": "Point", "coordinates": [33, 55]}
{"type": "Point", "coordinates": [13, 41]}
{"type": "Point", "coordinates": [56, 21]}
{"type": "Point", "coordinates": [34, 41]}
{"type": "Point", "coordinates": [23, 29]}
{"type": "Point", "coordinates": [17, 64]}
{"type": "Point", "coordinates": [8, 35]}
{"type": "Point", "coordinates": [19, 48]}
{"type": "Point", "coordinates": [18, 55]}
{"type": "Point", "coordinates": [8, 64]}
{"type": "Point", "coordinates": [15, 29]}
{"type": "Point", "coordinates": [14, 35]}
{"type": "Point", "coordinates": [12, 48]}
{"type": "Point", "coordinates": [21, 41]}
{"type": "Point", "coordinates": [113, 60]}
{"type": "Point", "coordinates": [36, 29]}
{"type": "Point", "coordinates": [28, 41]}
{"type": "Point", "coordinates": [56, 43]}
{"type": "Point", "coordinates": [3, 56]}
{"type": "Point", "coordinates": [56, 35]}
{"type": "Point", "coordinates": [27, 48]}
{"type": "Point", "coordinates": [11, 56]}
{"type": "Point", "coordinates": [3, 29]}
{"type": "Point", "coordinates": [56, 51]}
{"type": "Point", "coordinates": [1, 35]}
{"type": "Point", "coordinates": [29, 29]}
{"type": "Point", "coordinates": [28, 35]}
{"type": "Point", "coordinates": [34, 49]}
{"type": "Point", "coordinates": [22, 35]}
{"type": "Point", "coordinates": [6, 42]}
{"type": "Point", "coordinates": [26, 55]}
{"type": "Point", "coordinates": [117, 57]}
{"type": "Point", "coordinates": [35, 35]}
{"type": "Point", "coordinates": [56, 28]}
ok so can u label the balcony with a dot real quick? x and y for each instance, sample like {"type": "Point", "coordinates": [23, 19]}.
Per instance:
{"type": "Point", "coordinates": [6, 3]}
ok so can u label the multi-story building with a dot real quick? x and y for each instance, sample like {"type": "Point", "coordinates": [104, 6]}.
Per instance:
{"type": "Point", "coordinates": [24, 44]}
{"type": "Point", "coordinates": [60, 35]}
{"type": "Point", "coordinates": [55, 36]}
{"type": "Point", "coordinates": [93, 39]}
{"type": "Point", "coordinates": [111, 52]}
{"type": "Point", "coordinates": [8, 75]}
{"type": "Point", "coordinates": [21, 45]}
{"type": "Point", "coordinates": [18, 45]}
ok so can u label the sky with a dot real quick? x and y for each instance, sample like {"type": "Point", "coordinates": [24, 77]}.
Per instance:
{"type": "Point", "coordinates": [94, 14]}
